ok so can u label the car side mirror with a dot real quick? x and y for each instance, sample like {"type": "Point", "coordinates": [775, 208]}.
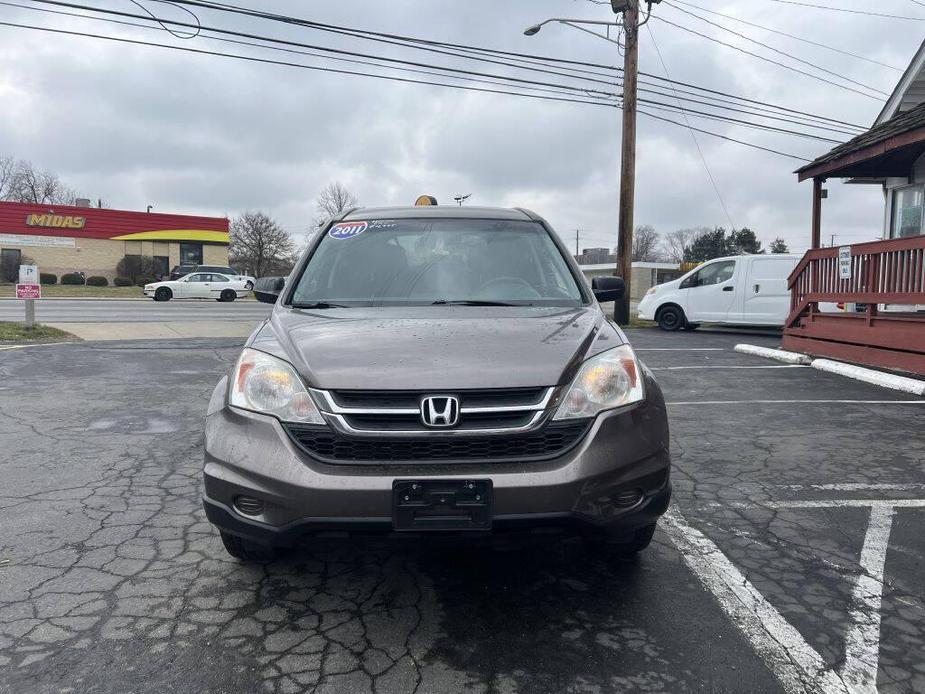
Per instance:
{"type": "Point", "coordinates": [268, 289]}
{"type": "Point", "coordinates": [608, 288]}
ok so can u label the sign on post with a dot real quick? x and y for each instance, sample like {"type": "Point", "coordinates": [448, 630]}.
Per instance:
{"type": "Point", "coordinates": [844, 263]}
{"type": "Point", "coordinates": [29, 274]}
{"type": "Point", "coordinates": [29, 289]}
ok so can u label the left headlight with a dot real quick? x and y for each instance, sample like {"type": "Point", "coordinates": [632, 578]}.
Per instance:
{"type": "Point", "coordinates": [608, 380]}
{"type": "Point", "coordinates": [265, 384]}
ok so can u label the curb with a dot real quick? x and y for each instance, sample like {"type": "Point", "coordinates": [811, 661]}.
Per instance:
{"type": "Point", "coordinates": [778, 354]}
{"type": "Point", "coordinates": [877, 378]}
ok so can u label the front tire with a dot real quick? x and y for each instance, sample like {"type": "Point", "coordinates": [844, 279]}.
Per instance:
{"type": "Point", "coordinates": [163, 294]}
{"type": "Point", "coordinates": [245, 550]}
{"type": "Point", "coordinates": [623, 546]}
{"type": "Point", "coordinates": [228, 295]}
{"type": "Point", "coordinates": [248, 285]}
{"type": "Point", "coordinates": [671, 318]}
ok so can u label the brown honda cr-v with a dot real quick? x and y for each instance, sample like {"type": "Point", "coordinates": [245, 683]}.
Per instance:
{"type": "Point", "coordinates": [437, 371]}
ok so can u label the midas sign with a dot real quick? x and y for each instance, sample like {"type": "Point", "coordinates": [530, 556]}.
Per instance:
{"type": "Point", "coordinates": [55, 221]}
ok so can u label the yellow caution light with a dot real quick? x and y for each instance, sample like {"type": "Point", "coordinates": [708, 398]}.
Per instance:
{"type": "Point", "coordinates": [425, 200]}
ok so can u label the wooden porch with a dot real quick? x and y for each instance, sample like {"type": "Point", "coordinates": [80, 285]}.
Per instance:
{"type": "Point", "coordinates": [884, 275]}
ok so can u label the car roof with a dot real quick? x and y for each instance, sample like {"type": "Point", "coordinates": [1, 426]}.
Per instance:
{"type": "Point", "coordinates": [439, 212]}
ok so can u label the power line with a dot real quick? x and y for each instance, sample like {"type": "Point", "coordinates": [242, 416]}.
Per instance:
{"type": "Point", "coordinates": [499, 81]}
{"type": "Point", "coordinates": [197, 51]}
{"type": "Point", "coordinates": [424, 44]}
{"type": "Point", "coordinates": [845, 9]}
{"type": "Point", "coordinates": [253, 59]}
{"type": "Point", "coordinates": [768, 60]}
{"type": "Point", "coordinates": [330, 50]}
{"type": "Point", "coordinates": [706, 166]}
{"type": "Point", "coordinates": [792, 36]}
{"type": "Point", "coordinates": [725, 137]}
{"type": "Point", "coordinates": [772, 48]}
{"type": "Point", "coordinates": [535, 85]}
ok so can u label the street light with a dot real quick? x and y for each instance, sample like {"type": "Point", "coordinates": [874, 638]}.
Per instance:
{"type": "Point", "coordinates": [630, 25]}
{"type": "Point", "coordinates": [574, 23]}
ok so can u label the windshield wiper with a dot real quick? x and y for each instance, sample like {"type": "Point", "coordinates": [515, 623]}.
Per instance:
{"type": "Point", "coordinates": [320, 304]}
{"type": "Point", "coordinates": [474, 302]}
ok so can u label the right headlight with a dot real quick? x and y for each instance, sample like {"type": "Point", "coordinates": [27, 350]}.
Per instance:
{"type": "Point", "coordinates": [265, 384]}
{"type": "Point", "coordinates": [605, 381]}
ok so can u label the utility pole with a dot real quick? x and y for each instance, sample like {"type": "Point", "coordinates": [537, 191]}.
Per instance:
{"type": "Point", "coordinates": [630, 9]}
{"type": "Point", "coordinates": [577, 231]}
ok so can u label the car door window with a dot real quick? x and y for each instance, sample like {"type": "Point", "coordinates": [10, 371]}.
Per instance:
{"type": "Point", "coordinates": [715, 273]}
{"type": "Point", "coordinates": [220, 278]}
{"type": "Point", "coordinates": [199, 278]}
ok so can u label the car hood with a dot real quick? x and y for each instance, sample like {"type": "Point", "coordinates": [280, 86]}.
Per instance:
{"type": "Point", "coordinates": [436, 348]}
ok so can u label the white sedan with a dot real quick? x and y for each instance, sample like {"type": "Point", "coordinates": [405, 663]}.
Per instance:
{"type": "Point", "coordinates": [199, 285]}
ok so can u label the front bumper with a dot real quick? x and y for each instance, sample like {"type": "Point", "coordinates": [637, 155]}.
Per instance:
{"type": "Point", "coordinates": [646, 308]}
{"type": "Point", "coordinates": [249, 454]}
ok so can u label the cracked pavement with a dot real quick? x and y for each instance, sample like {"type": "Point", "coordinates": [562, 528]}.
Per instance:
{"type": "Point", "coordinates": [111, 580]}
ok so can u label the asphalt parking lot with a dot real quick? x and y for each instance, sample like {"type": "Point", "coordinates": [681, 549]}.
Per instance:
{"type": "Point", "coordinates": [792, 559]}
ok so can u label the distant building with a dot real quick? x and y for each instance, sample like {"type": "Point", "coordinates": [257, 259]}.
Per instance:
{"type": "Point", "coordinates": [595, 256]}
{"type": "Point", "coordinates": [69, 238]}
{"type": "Point", "coordinates": [645, 275]}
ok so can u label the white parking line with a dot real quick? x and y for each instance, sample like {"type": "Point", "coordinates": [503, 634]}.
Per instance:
{"type": "Point", "coordinates": [859, 487]}
{"type": "Point", "coordinates": [682, 368]}
{"type": "Point", "coordinates": [846, 503]}
{"type": "Point", "coordinates": [797, 665]}
{"type": "Point", "coordinates": [680, 349]}
{"type": "Point", "coordinates": [862, 642]}
{"type": "Point", "coordinates": [40, 344]}
{"type": "Point", "coordinates": [798, 402]}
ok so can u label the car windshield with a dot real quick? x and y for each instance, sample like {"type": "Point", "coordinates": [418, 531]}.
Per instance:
{"type": "Point", "coordinates": [437, 261]}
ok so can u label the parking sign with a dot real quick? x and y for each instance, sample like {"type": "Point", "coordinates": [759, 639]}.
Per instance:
{"type": "Point", "coordinates": [28, 274]}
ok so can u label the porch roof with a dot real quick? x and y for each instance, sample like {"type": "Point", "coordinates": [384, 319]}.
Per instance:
{"type": "Point", "coordinates": [888, 149]}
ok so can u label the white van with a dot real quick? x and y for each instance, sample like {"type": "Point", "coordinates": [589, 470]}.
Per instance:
{"type": "Point", "coordinates": [739, 290]}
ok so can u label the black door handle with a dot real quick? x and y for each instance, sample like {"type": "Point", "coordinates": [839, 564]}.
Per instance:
{"type": "Point", "coordinates": [728, 289]}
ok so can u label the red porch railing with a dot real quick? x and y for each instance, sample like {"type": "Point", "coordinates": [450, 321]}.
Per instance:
{"type": "Point", "coordinates": [882, 272]}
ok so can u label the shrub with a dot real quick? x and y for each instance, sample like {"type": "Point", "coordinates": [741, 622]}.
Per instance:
{"type": "Point", "coordinates": [123, 281]}
{"type": "Point", "coordinates": [48, 278]}
{"type": "Point", "coordinates": [72, 278]}
{"type": "Point", "coordinates": [137, 267]}
{"type": "Point", "coordinates": [142, 281]}
{"type": "Point", "coordinates": [97, 281]}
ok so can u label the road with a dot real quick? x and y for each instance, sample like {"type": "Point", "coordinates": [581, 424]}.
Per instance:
{"type": "Point", "coordinates": [134, 311]}
{"type": "Point", "coordinates": [791, 560]}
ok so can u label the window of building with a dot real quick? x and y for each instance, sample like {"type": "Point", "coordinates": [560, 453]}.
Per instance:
{"type": "Point", "coordinates": [190, 254]}
{"type": "Point", "coordinates": [162, 263]}
{"type": "Point", "coordinates": [907, 212]}
{"type": "Point", "coordinates": [10, 260]}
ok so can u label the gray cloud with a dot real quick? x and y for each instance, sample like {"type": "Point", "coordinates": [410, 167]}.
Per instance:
{"type": "Point", "coordinates": [198, 134]}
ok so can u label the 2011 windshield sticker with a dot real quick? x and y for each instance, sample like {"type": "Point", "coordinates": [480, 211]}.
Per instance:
{"type": "Point", "coordinates": [347, 230]}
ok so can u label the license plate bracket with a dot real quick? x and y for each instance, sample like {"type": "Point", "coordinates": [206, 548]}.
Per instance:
{"type": "Point", "coordinates": [435, 504]}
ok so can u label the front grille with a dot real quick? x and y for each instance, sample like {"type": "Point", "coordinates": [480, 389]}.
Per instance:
{"type": "Point", "coordinates": [331, 447]}
{"type": "Point", "coordinates": [495, 397]}
{"type": "Point", "coordinates": [412, 422]}
{"type": "Point", "coordinates": [399, 411]}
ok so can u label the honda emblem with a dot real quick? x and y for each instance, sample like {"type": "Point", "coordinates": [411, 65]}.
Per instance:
{"type": "Point", "coordinates": [440, 411]}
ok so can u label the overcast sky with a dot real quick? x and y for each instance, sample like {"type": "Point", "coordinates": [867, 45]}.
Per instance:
{"type": "Point", "coordinates": [190, 133]}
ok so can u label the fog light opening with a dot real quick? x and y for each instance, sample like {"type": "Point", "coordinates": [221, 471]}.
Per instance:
{"type": "Point", "coordinates": [628, 498]}
{"type": "Point", "coordinates": [248, 505]}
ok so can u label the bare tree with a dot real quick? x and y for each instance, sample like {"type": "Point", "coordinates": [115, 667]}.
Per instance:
{"type": "Point", "coordinates": [333, 200]}
{"type": "Point", "coordinates": [646, 243]}
{"type": "Point", "coordinates": [677, 242]}
{"type": "Point", "coordinates": [7, 177]}
{"type": "Point", "coordinates": [260, 245]}
{"type": "Point", "coordinates": [20, 181]}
